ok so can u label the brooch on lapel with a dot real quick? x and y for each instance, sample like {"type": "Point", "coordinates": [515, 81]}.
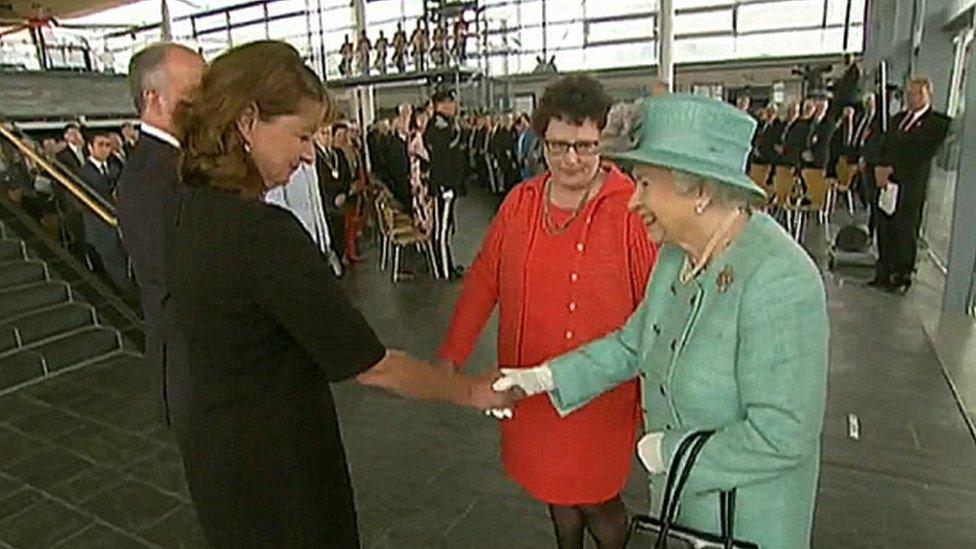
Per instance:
{"type": "Point", "coordinates": [724, 279]}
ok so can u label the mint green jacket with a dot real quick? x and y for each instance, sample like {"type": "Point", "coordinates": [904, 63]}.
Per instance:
{"type": "Point", "coordinates": [741, 349]}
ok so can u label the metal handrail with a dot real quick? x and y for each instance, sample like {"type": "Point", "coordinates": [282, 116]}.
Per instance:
{"type": "Point", "coordinates": [105, 212]}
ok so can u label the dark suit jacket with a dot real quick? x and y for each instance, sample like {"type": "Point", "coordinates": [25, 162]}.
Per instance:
{"type": "Point", "coordinates": [769, 136]}
{"type": "Point", "coordinates": [910, 151]}
{"type": "Point", "coordinates": [443, 139]}
{"type": "Point", "coordinates": [819, 141]}
{"type": "Point", "coordinates": [795, 141]}
{"type": "Point", "coordinates": [147, 196]}
{"type": "Point", "coordinates": [397, 169]}
{"type": "Point", "coordinates": [68, 159]}
{"type": "Point", "coordinates": [102, 184]}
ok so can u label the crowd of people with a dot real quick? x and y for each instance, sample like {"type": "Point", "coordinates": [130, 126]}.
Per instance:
{"type": "Point", "coordinates": [634, 269]}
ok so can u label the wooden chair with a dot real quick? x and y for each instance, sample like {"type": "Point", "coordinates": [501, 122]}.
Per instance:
{"type": "Point", "coordinates": [759, 174]}
{"type": "Point", "coordinates": [398, 231]}
{"type": "Point", "coordinates": [783, 184]}
{"type": "Point", "coordinates": [845, 179]}
{"type": "Point", "coordinates": [816, 197]}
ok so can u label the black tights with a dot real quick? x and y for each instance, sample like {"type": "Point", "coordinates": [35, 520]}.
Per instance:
{"type": "Point", "coordinates": [607, 523]}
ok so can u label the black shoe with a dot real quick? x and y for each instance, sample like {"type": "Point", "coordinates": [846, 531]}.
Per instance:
{"type": "Point", "coordinates": [457, 272]}
{"type": "Point", "coordinates": [900, 285]}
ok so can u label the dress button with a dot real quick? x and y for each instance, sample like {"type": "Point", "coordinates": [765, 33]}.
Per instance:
{"type": "Point", "coordinates": [572, 307]}
{"type": "Point", "coordinates": [579, 247]}
{"type": "Point", "coordinates": [569, 334]}
{"type": "Point", "coordinates": [573, 277]}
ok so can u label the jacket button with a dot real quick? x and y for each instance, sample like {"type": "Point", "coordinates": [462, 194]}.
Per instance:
{"type": "Point", "coordinates": [657, 329]}
{"type": "Point", "coordinates": [674, 345]}
{"type": "Point", "coordinates": [573, 277]}
{"type": "Point", "coordinates": [572, 307]}
{"type": "Point", "coordinates": [673, 290]}
{"type": "Point", "coordinates": [579, 247]}
{"type": "Point", "coordinates": [569, 334]}
{"type": "Point", "coordinates": [668, 426]}
{"type": "Point", "coordinates": [664, 392]}
{"type": "Point", "coordinates": [693, 298]}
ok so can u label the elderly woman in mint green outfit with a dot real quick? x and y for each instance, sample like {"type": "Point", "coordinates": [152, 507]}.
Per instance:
{"type": "Point", "coordinates": [732, 334]}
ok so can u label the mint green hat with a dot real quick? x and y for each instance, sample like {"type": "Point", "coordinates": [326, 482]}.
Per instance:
{"type": "Point", "coordinates": [692, 134]}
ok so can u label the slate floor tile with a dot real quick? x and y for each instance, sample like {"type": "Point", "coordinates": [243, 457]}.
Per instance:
{"type": "Point", "coordinates": [179, 530]}
{"type": "Point", "coordinates": [42, 525]}
{"type": "Point", "coordinates": [17, 501]}
{"type": "Point", "coordinates": [87, 484]}
{"type": "Point", "coordinates": [15, 446]}
{"type": "Point", "coordinates": [98, 536]}
{"type": "Point", "coordinates": [131, 506]}
{"type": "Point", "coordinates": [106, 445]}
{"type": "Point", "coordinates": [49, 468]}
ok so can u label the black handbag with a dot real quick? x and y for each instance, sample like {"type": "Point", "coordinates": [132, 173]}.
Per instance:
{"type": "Point", "coordinates": [662, 532]}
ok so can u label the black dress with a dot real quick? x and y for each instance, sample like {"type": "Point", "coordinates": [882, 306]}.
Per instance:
{"type": "Point", "coordinates": [267, 329]}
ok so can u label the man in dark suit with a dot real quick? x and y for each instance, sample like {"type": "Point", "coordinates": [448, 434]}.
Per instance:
{"type": "Point", "coordinates": [797, 134]}
{"type": "Point", "coordinates": [822, 126]}
{"type": "Point", "coordinates": [335, 178]}
{"type": "Point", "coordinates": [397, 168]}
{"type": "Point", "coordinates": [73, 155]}
{"type": "Point", "coordinates": [868, 137]}
{"type": "Point", "coordinates": [842, 143]}
{"type": "Point", "coordinates": [907, 150]}
{"type": "Point", "coordinates": [104, 253]}
{"type": "Point", "coordinates": [160, 77]}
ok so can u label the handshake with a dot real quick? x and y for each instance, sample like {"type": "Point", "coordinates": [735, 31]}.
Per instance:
{"type": "Point", "coordinates": [515, 385]}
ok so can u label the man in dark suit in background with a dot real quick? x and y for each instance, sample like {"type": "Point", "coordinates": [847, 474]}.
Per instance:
{"type": "Point", "coordinates": [161, 76]}
{"type": "Point", "coordinates": [334, 180]}
{"type": "Point", "coordinates": [104, 252]}
{"type": "Point", "coordinates": [396, 171]}
{"type": "Point", "coordinates": [842, 143]}
{"type": "Point", "coordinates": [907, 150]}
{"type": "Point", "coordinates": [868, 137]}
{"type": "Point", "coordinates": [73, 155]}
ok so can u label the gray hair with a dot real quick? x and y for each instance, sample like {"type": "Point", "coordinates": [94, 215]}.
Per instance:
{"type": "Point", "coordinates": [723, 194]}
{"type": "Point", "coordinates": [147, 70]}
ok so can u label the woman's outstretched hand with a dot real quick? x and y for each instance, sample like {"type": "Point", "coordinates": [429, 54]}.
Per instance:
{"type": "Point", "coordinates": [485, 397]}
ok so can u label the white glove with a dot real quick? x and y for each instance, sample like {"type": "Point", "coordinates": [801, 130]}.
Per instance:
{"type": "Point", "coordinates": [532, 381]}
{"type": "Point", "coordinates": [649, 452]}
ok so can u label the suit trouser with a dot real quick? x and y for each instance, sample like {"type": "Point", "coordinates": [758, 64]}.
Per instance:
{"type": "Point", "coordinates": [898, 234]}
{"type": "Point", "coordinates": [868, 191]}
{"type": "Point", "coordinates": [442, 231]}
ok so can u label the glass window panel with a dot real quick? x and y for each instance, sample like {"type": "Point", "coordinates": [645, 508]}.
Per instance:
{"type": "Point", "coordinates": [709, 21]}
{"type": "Point", "coordinates": [565, 35]}
{"type": "Point", "coordinates": [690, 50]}
{"type": "Point", "coordinates": [619, 55]}
{"type": "Point", "coordinates": [530, 39]}
{"type": "Point", "coordinates": [620, 30]}
{"type": "Point", "coordinates": [570, 60]}
{"type": "Point", "coordinates": [530, 13]}
{"type": "Point", "coordinates": [605, 8]}
{"type": "Point", "coordinates": [788, 43]}
{"type": "Point", "coordinates": [495, 15]}
{"type": "Point", "coordinates": [211, 22]}
{"type": "Point", "coordinates": [837, 10]}
{"type": "Point", "coordinates": [685, 4]}
{"type": "Point", "coordinates": [289, 26]}
{"type": "Point", "coordinates": [782, 15]}
{"type": "Point", "coordinates": [250, 33]}
{"type": "Point", "coordinates": [565, 10]}
{"type": "Point", "coordinates": [182, 28]}
{"type": "Point", "coordinates": [280, 7]}
{"type": "Point", "coordinates": [244, 15]}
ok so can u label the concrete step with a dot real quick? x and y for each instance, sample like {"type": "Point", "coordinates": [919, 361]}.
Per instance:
{"type": "Point", "coordinates": [12, 249]}
{"type": "Point", "coordinates": [45, 324]}
{"type": "Point", "coordinates": [17, 301]}
{"type": "Point", "coordinates": [82, 346]}
{"type": "Point", "coordinates": [21, 273]}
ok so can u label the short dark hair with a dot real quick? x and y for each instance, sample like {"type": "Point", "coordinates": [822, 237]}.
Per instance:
{"type": "Point", "coordinates": [71, 126]}
{"type": "Point", "coordinates": [573, 99]}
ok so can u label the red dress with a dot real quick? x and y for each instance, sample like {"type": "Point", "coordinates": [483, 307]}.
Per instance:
{"type": "Point", "coordinates": [555, 293]}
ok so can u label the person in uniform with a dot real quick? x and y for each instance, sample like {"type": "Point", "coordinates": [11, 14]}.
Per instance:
{"type": "Point", "coordinates": [907, 150]}
{"type": "Point", "coordinates": [445, 179]}
{"type": "Point", "coordinates": [420, 43]}
{"type": "Point", "coordinates": [267, 326]}
{"type": "Point", "coordinates": [701, 340]}
{"type": "Point", "coordinates": [346, 53]}
{"type": "Point", "coordinates": [380, 47]}
{"type": "Point", "coordinates": [400, 49]}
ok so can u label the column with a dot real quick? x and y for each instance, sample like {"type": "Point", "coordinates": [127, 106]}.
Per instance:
{"type": "Point", "coordinates": [167, 21]}
{"type": "Point", "coordinates": [665, 43]}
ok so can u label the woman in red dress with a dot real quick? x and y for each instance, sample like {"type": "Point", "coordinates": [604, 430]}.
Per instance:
{"type": "Point", "coordinates": [566, 264]}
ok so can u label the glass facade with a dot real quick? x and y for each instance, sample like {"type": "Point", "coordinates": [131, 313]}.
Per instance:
{"type": "Point", "coordinates": [578, 34]}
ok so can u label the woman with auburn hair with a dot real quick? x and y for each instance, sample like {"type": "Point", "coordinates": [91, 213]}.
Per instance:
{"type": "Point", "coordinates": [266, 326]}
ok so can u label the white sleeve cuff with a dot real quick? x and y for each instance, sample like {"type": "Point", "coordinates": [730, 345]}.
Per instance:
{"type": "Point", "coordinates": [649, 452]}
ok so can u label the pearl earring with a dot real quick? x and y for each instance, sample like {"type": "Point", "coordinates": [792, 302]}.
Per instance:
{"type": "Point", "coordinates": [699, 208]}
{"type": "Point", "coordinates": [247, 147]}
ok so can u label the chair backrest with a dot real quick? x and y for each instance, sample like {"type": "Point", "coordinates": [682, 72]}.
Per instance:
{"type": "Point", "coordinates": [783, 182]}
{"type": "Point", "coordinates": [817, 187]}
{"type": "Point", "coordinates": [845, 174]}
{"type": "Point", "coordinates": [758, 173]}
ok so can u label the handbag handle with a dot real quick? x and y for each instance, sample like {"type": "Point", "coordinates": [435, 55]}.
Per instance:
{"type": "Point", "coordinates": [684, 460]}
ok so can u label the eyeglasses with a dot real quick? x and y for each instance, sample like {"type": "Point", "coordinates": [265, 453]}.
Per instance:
{"type": "Point", "coordinates": [582, 148]}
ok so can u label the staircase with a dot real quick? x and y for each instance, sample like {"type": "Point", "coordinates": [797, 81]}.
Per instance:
{"type": "Point", "coordinates": [51, 309]}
